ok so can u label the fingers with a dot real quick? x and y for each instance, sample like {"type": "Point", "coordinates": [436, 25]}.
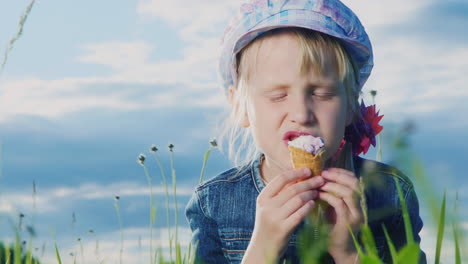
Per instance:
{"type": "Point", "coordinates": [338, 204]}
{"type": "Point", "coordinates": [297, 202]}
{"type": "Point", "coordinates": [298, 187]}
{"type": "Point", "coordinates": [280, 181]}
{"type": "Point", "coordinates": [343, 177]}
{"type": "Point", "coordinates": [344, 209]}
{"type": "Point", "coordinates": [342, 191]}
{"type": "Point", "coordinates": [294, 219]}
{"type": "Point", "coordinates": [349, 195]}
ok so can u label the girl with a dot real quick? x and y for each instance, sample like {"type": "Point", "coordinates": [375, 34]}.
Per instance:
{"type": "Point", "coordinates": [293, 68]}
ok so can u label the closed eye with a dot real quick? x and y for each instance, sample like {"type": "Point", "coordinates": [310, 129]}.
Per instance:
{"type": "Point", "coordinates": [278, 97]}
{"type": "Point", "coordinates": [324, 96]}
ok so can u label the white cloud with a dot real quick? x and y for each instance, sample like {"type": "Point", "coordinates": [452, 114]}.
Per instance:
{"type": "Point", "coordinates": [417, 79]}
{"type": "Point", "coordinates": [192, 18]}
{"type": "Point", "coordinates": [131, 63]}
{"type": "Point", "coordinates": [186, 83]}
{"type": "Point", "coordinates": [201, 16]}
{"type": "Point", "coordinates": [377, 13]}
{"type": "Point", "coordinates": [118, 55]}
{"type": "Point", "coordinates": [136, 246]}
{"type": "Point", "coordinates": [6, 207]}
{"type": "Point", "coordinates": [55, 98]}
{"type": "Point", "coordinates": [412, 77]}
{"type": "Point", "coordinates": [53, 199]}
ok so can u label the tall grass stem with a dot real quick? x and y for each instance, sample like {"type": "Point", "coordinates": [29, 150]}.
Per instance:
{"type": "Point", "coordinates": [406, 217]}
{"type": "Point", "coordinates": [205, 160]}
{"type": "Point", "coordinates": [166, 192]}
{"type": "Point", "coordinates": [152, 211]}
{"type": "Point", "coordinates": [117, 209]}
{"type": "Point", "coordinates": [174, 185]}
{"type": "Point", "coordinates": [18, 34]}
{"type": "Point", "coordinates": [57, 252]}
{"type": "Point", "coordinates": [440, 231]}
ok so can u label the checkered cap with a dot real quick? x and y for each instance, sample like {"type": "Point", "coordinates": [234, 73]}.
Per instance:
{"type": "Point", "coordinates": [331, 17]}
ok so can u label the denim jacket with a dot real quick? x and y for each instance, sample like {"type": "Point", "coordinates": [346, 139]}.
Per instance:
{"type": "Point", "coordinates": [221, 212]}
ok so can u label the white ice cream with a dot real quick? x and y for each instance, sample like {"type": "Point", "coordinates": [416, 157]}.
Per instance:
{"type": "Point", "coordinates": [308, 143]}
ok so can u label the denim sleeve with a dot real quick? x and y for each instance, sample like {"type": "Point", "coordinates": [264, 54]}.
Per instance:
{"type": "Point", "coordinates": [204, 233]}
{"type": "Point", "coordinates": [398, 230]}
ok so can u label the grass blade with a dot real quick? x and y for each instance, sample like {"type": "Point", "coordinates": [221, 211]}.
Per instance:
{"type": "Point", "coordinates": [166, 193]}
{"type": "Point", "coordinates": [17, 251]}
{"type": "Point", "coordinates": [368, 241]}
{"type": "Point", "coordinates": [8, 254]}
{"type": "Point", "coordinates": [57, 253]}
{"type": "Point", "coordinates": [117, 209]}
{"type": "Point", "coordinates": [406, 218]}
{"type": "Point", "coordinates": [205, 159]}
{"type": "Point", "coordinates": [192, 256]}
{"type": "Point", "coordinates": [409, 254]}
{"type": "Point", "coordinates": [29, 253]}
{"type": "Point", "coordinates": [370, 260]}
{"type": "Point", "coordinates": [178, 254]}
{"type": "Point", "coordinates": [440, 231]}
{"type": "Point", "coordinates": [174, 185]}
{"type": "Point", "coordinates": [356, 243]}
{"type": "Point", "coordinates": [189, 254]}
{"type": "Point", "coordinates": [161, 259]}
{"type": "Point", "coordinates": [152, 211]}
{"type": "Point", "coordinates": [18, 34]}
{"type": "Point", "coordinates": [457, 245]}
{"type": "Point", "coordinates": [393, 251]}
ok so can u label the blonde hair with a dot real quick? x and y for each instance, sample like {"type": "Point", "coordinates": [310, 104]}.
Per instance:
{"type": "Point", "coordinates": [315, 49]}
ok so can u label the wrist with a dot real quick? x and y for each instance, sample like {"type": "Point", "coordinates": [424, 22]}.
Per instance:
{"type": "Point", "coordinates": [255, 255]}
{"type": "Point", "coordinates": [346, 258]}
{"type": "Point", "coordinates": [260, 252]}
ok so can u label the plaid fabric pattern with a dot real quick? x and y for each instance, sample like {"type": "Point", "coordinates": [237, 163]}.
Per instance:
{"type": "Point", "coordinates": [331, 17]}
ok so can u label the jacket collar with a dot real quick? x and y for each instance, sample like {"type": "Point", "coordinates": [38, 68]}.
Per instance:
{"type": "Point", "coordinates": [255, 172]}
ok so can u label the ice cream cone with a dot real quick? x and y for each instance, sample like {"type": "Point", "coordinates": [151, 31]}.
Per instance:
{"type": "Point", "coordinates": [303, 159]}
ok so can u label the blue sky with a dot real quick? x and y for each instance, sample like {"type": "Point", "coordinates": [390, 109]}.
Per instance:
{"type": "Point", "coordinates": [91, 84]}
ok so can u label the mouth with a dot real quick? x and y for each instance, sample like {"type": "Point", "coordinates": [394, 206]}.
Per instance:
{"type": "Point", "coordinates": [291, 135]}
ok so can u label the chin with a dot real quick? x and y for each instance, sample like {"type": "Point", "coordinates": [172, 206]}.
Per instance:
{"type": "Point", "coordinates": [282, 162]}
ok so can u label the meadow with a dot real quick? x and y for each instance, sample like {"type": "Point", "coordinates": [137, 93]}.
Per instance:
{"type": "Point", "coordinates": [24, 250]}
{"type": "Point", "coordinates": [444, 212]}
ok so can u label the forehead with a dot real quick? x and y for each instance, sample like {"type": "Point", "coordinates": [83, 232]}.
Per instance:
{"type": "Point", "coordinates": [284, 57]}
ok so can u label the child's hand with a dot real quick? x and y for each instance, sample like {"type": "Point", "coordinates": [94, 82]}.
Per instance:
{"type": "Point", "coordinates": [281, 206]}
{"type": "Point", "coordinates": [342, 192]}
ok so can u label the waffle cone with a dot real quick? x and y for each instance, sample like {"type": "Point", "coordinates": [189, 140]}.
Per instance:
{"type": "Point", "coordinates": [303, 159]}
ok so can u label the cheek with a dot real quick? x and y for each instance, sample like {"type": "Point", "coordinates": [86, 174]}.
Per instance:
{"type": "Point", "coordinates": [332, 125]}
{"type": "Point", "coordinates": [265, 125]}
{"type": "Point", "coordinates": [264, 116]}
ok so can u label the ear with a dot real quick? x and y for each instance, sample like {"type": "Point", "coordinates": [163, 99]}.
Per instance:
{"type": "Point", "coordinates": [244, 121]}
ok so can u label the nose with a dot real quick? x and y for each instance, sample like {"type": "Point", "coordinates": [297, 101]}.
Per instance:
{"type": "Point", "coordinates": [301, 111]}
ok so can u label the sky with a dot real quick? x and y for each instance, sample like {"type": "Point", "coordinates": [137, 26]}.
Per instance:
{"type": "Point", "coordinates": [92, 84]}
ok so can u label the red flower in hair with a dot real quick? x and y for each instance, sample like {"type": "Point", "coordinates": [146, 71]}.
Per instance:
{"type": "Point", "coordinates": [362, 133]}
